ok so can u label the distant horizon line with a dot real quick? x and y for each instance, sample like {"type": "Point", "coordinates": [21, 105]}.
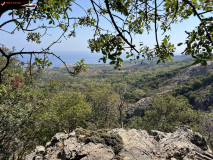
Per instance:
{"type": "Point", "coordinates": [95, 52]}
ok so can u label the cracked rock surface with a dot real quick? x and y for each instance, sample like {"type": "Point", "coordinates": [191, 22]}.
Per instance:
{"type": "Point", "coordinates": [182, 144]}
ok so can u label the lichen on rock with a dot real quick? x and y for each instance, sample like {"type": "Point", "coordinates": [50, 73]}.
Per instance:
{"type": "Point", "coordinates": [132, 144]}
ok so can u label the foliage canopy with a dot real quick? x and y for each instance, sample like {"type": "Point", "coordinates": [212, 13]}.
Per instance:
{"type": "Point", "coordinates": [128, 18]}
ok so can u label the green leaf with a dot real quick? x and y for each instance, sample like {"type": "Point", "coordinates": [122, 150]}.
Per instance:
{"type": "Point", "coordinates": [192, 37]}
{"type": "Point", "coordinates": [158, 61]}
{"type": "Point", "coordinates": [203, 63]}
{"type": "Point", "coordinates": [179, 44]}
{"type": "Point", "coordinates": [120, 60]}
{"type": "Point", "coordinates": [112, 62]}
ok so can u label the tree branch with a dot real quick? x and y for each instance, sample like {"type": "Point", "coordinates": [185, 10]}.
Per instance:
{"type": "Point", "coordinates": [96, 15]}
{"type": "Point", "coordinates": [156, 31]}
{"type": "Point", "coordinates": [116, 27]}
{"type": "Point", "coordinates": [198, 15]}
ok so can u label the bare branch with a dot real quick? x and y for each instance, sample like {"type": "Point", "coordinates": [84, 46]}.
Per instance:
{"type": "Point", "coordinates": [111, 13]}
{"type": "Point", "coordinates": [116, 27]}
{"type": "Point", "coordinates": [12, 20]}
{"type": "Point", "coordinates": [198, 15]}
{"type": "Point", "coordinates": [33, 14]}
{"type": "Point", "coordinates": [80, 6]}
{"type": "Point", "coordinates": [31, 68]}
{"type": "Point", "coordinates": [156, 30]}
{"type": "Point", "coordinates": [205, 12]}
{"type": "Point", "coordinates": [96, 15]}
{"type": "Point", "coordinates": [3, 53]}
{"type": "Point", "coordinates": [177, 6]}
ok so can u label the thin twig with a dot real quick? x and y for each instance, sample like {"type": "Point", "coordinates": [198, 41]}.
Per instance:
{"type": "Point", "coordinates": [177, 6]}
{"type": "Point", "coordinates": [197, 14]}
{"type": "Point", "coordinates": [33, 14]}
{"type": "Point", "coordinates": [156, 30]}
{"type": "Point", "coordinates": [96, 16]}
{"type": "Point", "coordinates": [116, 27]}
{"type": "Point", "coordinates": [31, 68]}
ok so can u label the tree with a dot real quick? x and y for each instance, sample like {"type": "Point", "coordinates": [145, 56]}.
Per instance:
{"type": "Point", "coordinates": [104, 102]}
{"type": "Point", "coordinates": [166, 113]}
{"type": "Point", "coordinates": [121, 90]}
{"type": "Point", "coordinates": [128, 17]}
{"type": "Point", "coordinates": [31, 115]}
{"type": "Point", "coordinates": [19, 101]}
{"type": "Point", "coordinates": [207, 128]}
{"type": "Point", "coordinates": [64, 111]}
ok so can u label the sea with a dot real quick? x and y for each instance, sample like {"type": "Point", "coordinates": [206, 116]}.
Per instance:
{"type": "Point", "coordinates": [73, 57]}
{"type": "Point", "coordinates": [69, 58]}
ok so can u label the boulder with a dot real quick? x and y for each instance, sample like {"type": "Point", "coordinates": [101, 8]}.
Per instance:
{"type": "Point", "coordinates": [182, 144]}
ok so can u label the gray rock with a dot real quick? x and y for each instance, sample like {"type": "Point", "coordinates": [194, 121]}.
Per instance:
{"type": "Point", "coordinates": [40, 150]}
{"type": "Point", "coordinates": [138, 108]}
{"type": "Point", "coordinates": [158, 135]}
{"type": "Point", "coordinates": [30, 156]}
{"type": "Point", "coordinates": [182, 144]}
{"type": "Point", "coordinates": [59, 136]}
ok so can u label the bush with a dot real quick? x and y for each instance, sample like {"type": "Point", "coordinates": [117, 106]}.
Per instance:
{"type": "Point", "coordinates": [115, 141]}
{"type": "Point", "coordinates": [168, 112]}
{"type": "Point", "coordinates": [94, 140]}
{"type": "Point", "coordinates": [101, 136]}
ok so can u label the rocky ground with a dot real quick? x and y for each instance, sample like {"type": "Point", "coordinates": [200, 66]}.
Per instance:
{"type": "Point", "coordinates": [120, 144]}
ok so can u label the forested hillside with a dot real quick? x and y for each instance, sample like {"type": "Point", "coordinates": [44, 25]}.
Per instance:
{"type": "Point", "coordinates": [178, 88]}
{"type": "Point", "coordinates": [142, 80]}
{"type": "Point", "coordinates": [40, 103]}
{"type": "Point", "coordinates": [163, 92]}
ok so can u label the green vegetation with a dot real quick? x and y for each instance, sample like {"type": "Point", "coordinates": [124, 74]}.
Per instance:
{"type": "Point", "coordinates": [101, 136]}
{"type": "Point", "coordinates": [127, 17]}
{"type": "Point", "coordinates": [196, 88]}
{"type": "Point", "coordinates": [142, 80]}
{"type": "Point", "coordinates": [33, 111]}
{"type": "Point", "coordinates": [166, 113]}
{"type": "Point", "coordinates": [36, 103]}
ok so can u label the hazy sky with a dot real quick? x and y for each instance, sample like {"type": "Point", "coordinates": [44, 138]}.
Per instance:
{"type": "Point", "coordinates": [79, 44]}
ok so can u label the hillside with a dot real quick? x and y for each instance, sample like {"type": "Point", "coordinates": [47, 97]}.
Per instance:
{"type": "Point", "coordinates": [147, 79]}
{"type": "Point", "coordinates": [145, 97]}
{"type": "Point", "coordinates": [129, 66]}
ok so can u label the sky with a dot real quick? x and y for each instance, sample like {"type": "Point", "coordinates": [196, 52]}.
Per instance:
{"type": "Point", "coordinates": [79, 43]}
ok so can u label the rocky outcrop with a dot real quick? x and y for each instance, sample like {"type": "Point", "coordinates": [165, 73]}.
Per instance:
{"type": "Point", "coordinates": [191, 72]}
{"type": "Point", "coordinates": [206, 100]}
{"type": "Point", "coordinates": [182, 144]}
{"type": "Point", "coordinates": [138, 108]}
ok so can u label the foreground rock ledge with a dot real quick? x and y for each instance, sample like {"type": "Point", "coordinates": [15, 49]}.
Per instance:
{"type": "Point", "coordinates": [182, 144]}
